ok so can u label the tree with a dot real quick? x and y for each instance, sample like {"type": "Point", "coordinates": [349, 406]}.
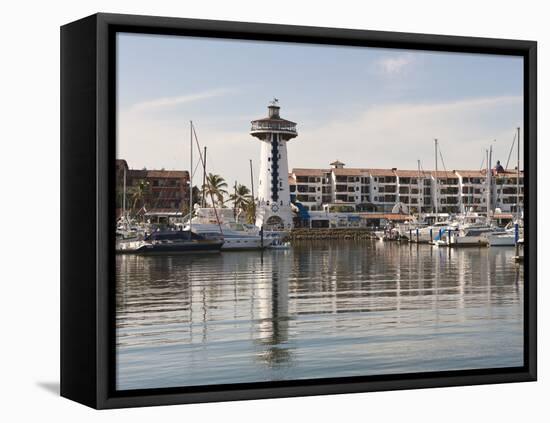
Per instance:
{"type": "Point", "coordinates": [241, 197]}
{"type": "Point", "coordinates": [139, 194]}
{"type": "Point", "coordinates": [196, 195]}
{"type": "Point", "coordinates": [215, 188]}
{"type": "Point", "coordinates": [250, 211]}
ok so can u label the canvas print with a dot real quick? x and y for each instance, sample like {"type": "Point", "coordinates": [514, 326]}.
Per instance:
{"type": "Point", "coordinates": [290, 211]}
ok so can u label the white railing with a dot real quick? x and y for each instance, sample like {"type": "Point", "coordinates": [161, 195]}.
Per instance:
{"type": "Point", "coordinates": [273, 126]}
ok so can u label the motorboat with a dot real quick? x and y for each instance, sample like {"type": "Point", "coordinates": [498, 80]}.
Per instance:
{"type": "Point", "coordinates": [235, 236]}
{"type": "Point", "coordinates": [503, 239]}
{"type": "Point", "coordinates": [507, 237]}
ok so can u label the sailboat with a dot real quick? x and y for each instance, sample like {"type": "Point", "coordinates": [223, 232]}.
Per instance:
{"type": "Point", "coordinates": [213, 223]}
{"type": "Point", "coordinates": [513, 233]}
{"type": "Point", "coordinates": [175, 240]}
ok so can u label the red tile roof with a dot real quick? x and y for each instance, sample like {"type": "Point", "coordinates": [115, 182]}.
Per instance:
{"type": "Point", "coordinates": [472, 173]}
{"type": "Point", "coordinates": [411, 173]}
{"type": "Point", "coordinates": [310, 172]}
{"type": "Point", "coordinates": [168, 174]}
{"type": "Point", "coordinates": [443, 174]}
{"type": "Point", "coordinates": [348, 172]}
{"type": "Point", "coordinates": [509, 173]}
{"type": "Point", "coordinates": [380, 172]}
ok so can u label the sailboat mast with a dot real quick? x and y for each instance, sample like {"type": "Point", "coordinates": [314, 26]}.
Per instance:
{"type": "Point", "coordinates": [517, 182]}
{"type": "Point", "coordinates": [420, 184]}
{"type": "Point", "coordinates": [489, 178]}
{"type": "Point", "coordinates": [436, 183]}
{"type": "Point", "coordinates": [252, 181]}
{"type": "Point", "coordinates": [235, 201]}
{"type": "Point", "coordinates": [252, 189]}
{"type": "Point", "coordinates": [190, 174]}
{"type": "Point", "coordinates": [203, 199]}
{"type": "Point", "coordinates": [124, 195]}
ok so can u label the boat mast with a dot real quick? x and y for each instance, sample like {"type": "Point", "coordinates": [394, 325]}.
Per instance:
{"type": "Point", "coordinates": [203, 199]}
{"type": "Point", "coordinates": [488, 182]}
{"type": "Point", "coordinates": [235, 202]}
{"type": "Point", "coordinates": [517, 183]}
{"type": "Point", "coordinates": [124, 195]}
{"type": "Point", "coordinates": [420, 190]}
{"type": "Point", "coordinates": [252, 189]}
{"type": "Point", "coordinates": [203, 161]}
{"type": "Point", "coordinates": [190, 174]}
{"type": "Point", "coordinates": [490, 177]}
{"type": "Point", "coordinates": [436, 183]}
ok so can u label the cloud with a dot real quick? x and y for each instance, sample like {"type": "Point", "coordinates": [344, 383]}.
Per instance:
{"type": "Point", "coordinates": [167, 102]}
{"type": "Point", "coordinates": [396, 64]}
{"type": "Point", "coordinates": [397, 135]}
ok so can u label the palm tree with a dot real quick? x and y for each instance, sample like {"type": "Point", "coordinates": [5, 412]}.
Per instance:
{"type": "Point", "coordinates": [215, 188]}
{"type": "Point", "coordinates": [241, 197]}
{"type": "Point", "coordinates": [250, 211]}
{"type": "Point", "coordinates": [138, 194]}
{"type": "Point", "coordinates": [196, 195]}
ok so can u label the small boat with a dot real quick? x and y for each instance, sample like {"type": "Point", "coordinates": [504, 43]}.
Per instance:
{"type": "Point", "coordinates": [471, 236]}
{"type": "Point", "coordinates": [503, 239]}
{"type": "Point", "coordinates": [171, 241]}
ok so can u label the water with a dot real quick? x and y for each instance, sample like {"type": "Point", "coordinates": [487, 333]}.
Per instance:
{"type": "Point", "coordinates": [318, 310]}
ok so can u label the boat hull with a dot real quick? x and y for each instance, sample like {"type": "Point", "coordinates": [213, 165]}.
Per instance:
{"type": "Point", "coordinates": [502, 241]}
{"type": "Point", "coordinates": [468, 241]}
{"type": "Point", "coordinates": [237, 244]}
{"type": "Point", "coordinates": [192, 247]}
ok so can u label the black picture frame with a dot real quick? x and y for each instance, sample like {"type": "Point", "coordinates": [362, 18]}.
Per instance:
{"type": "Point", "coordinates": [87, 209]}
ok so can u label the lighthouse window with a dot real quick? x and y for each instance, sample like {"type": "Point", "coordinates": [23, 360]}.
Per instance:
{"type": "Point", "coordinates": [269, 159]}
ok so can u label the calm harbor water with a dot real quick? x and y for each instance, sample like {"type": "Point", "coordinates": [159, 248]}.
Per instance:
{"type": "Point", "coordinates": [318, 310]}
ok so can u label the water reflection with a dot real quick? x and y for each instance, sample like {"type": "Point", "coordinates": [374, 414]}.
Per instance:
{"type": "Point", "coordinates": [318, 310]}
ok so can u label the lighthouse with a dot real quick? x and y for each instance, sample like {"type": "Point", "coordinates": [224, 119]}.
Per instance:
{"type": "Point", "coordinates": [273, 210]}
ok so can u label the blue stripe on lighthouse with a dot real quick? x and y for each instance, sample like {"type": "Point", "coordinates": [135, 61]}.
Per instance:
{"type": "Point", "coordinates": [275, 167]}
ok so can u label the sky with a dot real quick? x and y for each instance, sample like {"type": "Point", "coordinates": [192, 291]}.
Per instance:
{"type": "Point", "coordinates": [367, 107]}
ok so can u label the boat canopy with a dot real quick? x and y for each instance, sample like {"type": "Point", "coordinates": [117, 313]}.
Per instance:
{"type": "Point", "coordinates": [173, 236]}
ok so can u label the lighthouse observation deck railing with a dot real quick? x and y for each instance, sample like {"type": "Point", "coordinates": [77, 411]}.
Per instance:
{"type": "Point", "coordinates": [273, 126]}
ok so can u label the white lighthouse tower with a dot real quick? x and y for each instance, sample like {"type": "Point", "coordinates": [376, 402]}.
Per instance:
{"type": "Point", "coordinates": [273, 210]}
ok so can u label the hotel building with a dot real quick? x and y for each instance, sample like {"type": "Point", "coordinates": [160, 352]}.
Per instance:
{"type": "Point", "coordinates": [341, 189]}
{"type": "Point", "coordinates": [165, 192]}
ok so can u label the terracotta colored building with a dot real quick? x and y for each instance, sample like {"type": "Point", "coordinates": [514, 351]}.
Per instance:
{"type": "Point", "coordinates": [162, 191]}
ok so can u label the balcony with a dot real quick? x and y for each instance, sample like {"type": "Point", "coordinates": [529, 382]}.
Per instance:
{"type": "Point", "coordinates": [274, 125]}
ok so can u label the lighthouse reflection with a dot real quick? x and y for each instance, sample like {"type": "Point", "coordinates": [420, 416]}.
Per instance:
{"type": "Point", "coordinates": [273, 320]}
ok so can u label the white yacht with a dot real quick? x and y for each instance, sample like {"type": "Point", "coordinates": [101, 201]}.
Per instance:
{"type": "Point", "coordinates": [220, 223]}
{"type": "Point", "coordinates": [472, 231]}
{"type": "Point", "coordinates": [507, 238]}
{"type": "Point", "coordinates": [503, 239]}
